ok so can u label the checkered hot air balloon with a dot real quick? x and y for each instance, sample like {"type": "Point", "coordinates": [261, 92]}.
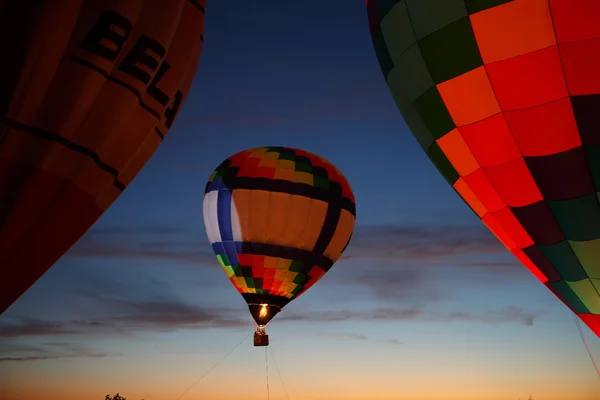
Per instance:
{"type": "Point", "coordinates": [504, 97]}
{"type": "Point", "coordinates": [277, 219]}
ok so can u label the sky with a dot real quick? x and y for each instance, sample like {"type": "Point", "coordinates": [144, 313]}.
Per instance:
{"type": "Point", "coordinates": [425, 304]}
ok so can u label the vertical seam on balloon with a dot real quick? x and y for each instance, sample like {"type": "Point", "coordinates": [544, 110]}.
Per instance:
{"type": "Point", "coordinates": [290, 198]}
{"type": "Point", "coordinates": [265, 236]}
{"type": "Point", "coordinates": [232, 209]}
{"type": "Point", "coordinates": [586, 158]}
{"type": "Point", "coordinates": [246, 217]}
{"type": "Point", "coordinates": [269, 214]}
{"type": "Point", "coordinates": [224, 214]}
{"type": "Point", "coordinates": [307, 267]}
{"type": "Point", "coordinates": [332, 215]}
{"type": "Point", "coordinates": [235, 216]}
{"type": "Point", "coordinates": [266, 231]}
{"type": "Point", "coordinates": [249, 210]}
{"type": "Point", "coordinates": [334, 210]}
{"type": "Point", "coordinates": [300, 237]}
{"type": "Point", "coordinates": [288, 212]}
{"type": "Point", "coordinates": [270, 199]}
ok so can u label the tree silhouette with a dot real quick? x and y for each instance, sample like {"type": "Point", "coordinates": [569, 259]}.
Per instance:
{"type": "Point", "coordinates": [115, 397]}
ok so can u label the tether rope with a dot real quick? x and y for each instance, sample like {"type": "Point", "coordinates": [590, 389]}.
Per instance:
{"type": "Point", "coordinates": [214, 366]}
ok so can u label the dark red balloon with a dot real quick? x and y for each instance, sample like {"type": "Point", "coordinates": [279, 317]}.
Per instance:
{"type": "Point", "coordinates": [88, 90]}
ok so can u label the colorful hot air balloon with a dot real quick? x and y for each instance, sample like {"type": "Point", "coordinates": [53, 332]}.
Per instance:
{"type": "Point", "coordinates": [277, 219]}
{"type": "Point", "coordinates": [89, 89]}
{"type": "Point", "coordinates": [504, 97]}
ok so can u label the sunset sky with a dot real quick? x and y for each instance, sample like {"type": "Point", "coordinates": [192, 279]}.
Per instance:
{"type": "Point", "coordinates": [424, 305]}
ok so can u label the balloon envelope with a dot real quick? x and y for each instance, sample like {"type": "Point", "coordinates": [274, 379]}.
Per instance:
{"type": "Point", "coordinates": [504, 97]}
{"type": "Point", "coordinates": [277, 219]}
{"type": "Point", "coordinates": [89, 90]}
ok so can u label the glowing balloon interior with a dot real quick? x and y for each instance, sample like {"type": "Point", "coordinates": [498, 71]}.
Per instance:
{"type": "Point", "coordinates": [504, 97]}
{"type": "Point", "coordinates": [277, 219]}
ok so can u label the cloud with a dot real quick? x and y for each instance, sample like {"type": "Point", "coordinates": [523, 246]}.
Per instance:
{"type": "Point", "coordinates": [406, 243]}
{"type": "Point", "coordinates": [353, 336]}
{"type": "Point", "coordinates": [126, 317]}
{"type": "Point", "coordinates": [123, 302]}
{"type": "Point", "coordinates": [510, 314]}
{"type": "Point", "coordinates": [49, 351]}
{"type": "Point", "coordinates": [397, 283]}
{"type": "Point", "coordinates": [129, 317]}
{"type": "Point", "coordinates": [421, 243]}
{"type": "Point", "coordinates": [393, 341]}
{"type": "Point", "coordinates": [346, 315]}
{"type": "Point", "coordinates": [32, 327]}
{"type": "Point", "coordinates": [150, 242]}
{"type": "Point", "coordinates": [173, 315]}
{"type": "Point", "coordinates": [361, 337]}
{"type": "Point", "coordinates": [422, 265]}
{"type": "Point", "coordinates": [160, 230]}
{"type": "Point", "coordinates": [405, 269]}
{"type": "Point", "coordinates": [405, 263]}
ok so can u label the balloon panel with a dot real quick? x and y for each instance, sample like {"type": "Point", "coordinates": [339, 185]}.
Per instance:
{"type": "Point", "coordinates": [504, 97]}
{"type": "Point", "coordinates": [90, 89]}
{"type": "Point", "coordinates": [277, 218]}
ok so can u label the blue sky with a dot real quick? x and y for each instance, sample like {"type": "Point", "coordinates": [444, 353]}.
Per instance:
{"type": "Point", "coordinates": [423, 294]}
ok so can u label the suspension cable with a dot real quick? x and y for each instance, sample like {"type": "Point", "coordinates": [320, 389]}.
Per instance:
{"type": "Point", "coordinates": [278, 374]}
{"type": "Point", "coordinates": [587, 347]}
{"type": "Point", "coordinates": [214, 366]}
{"type": "Point", "coordinates": [267, 370]}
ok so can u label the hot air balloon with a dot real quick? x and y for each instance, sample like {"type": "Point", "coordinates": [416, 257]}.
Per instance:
{"type": "Point", "coordinates": [504, 97]}
{"type": "Point", "coordinates": [277, 219]}
{"type": "Point", "coordinates": [89, 90]}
